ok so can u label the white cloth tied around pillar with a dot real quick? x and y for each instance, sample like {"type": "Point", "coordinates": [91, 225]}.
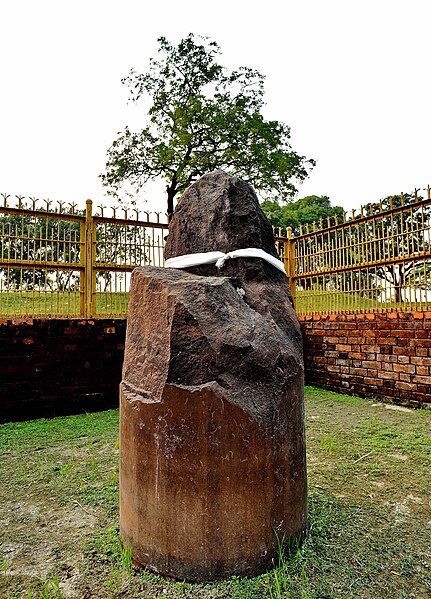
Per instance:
{"type": "Point", "coordinates": [219, 258]}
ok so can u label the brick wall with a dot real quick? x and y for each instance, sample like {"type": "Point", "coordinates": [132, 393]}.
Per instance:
{"type": "Point", "coordinates": [387, 355]}
{"type": "Point", "coordinates": [53, 367]}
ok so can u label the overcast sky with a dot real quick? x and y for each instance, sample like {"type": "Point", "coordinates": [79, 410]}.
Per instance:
{"type": "Point", "coordinates": [351, 78]}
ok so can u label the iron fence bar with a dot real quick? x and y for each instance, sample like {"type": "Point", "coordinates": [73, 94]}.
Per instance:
{"type": "Point", "coordinates": [42, 214]}
{"type": "Point", "coordinates": [128, 221]}
{"type": "Point", "coordinates": [41, 265]}
{"type": "Point", "coordinates": [418, 258]}
{"type": "Point", "coordinates": [361, 220]}
{"type": "Point", "coordinates": [87, 257]}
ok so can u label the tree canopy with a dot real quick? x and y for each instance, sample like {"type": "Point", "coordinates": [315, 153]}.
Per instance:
{"type": "Point", "coordinates": [302, 212]}
{"type": "Point", "coordinates": [202, 117]}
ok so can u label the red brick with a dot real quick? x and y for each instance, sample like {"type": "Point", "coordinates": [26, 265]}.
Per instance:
{"type": "Point", "coordinates": [422, 379]}
{"type": "Point", "coordinates": [405, 377]}
{"type": "Point", "coordinates": [404, 315]}
{"type": "Point", "coordinates": [403, 360]}
{"type": "Point", "coordinates": [418, 315]}
{"type": "Point", "coordinates": [403, 333]}
{"type": "Point", "coordinates": [408, 368]}
{"type": "Point", "coordinates": [375, 382]}
{"type": "Point", "coordinates": [391, 376]}
{"type": "Point", "coordinates": [421, 351]}
{"type": "Point", "coordinates": [424, 389]}
{"type": "Point", "coordinates": [370, 364]}
{"type": "Point", "coordinates": [370, 333]}
{"type": "Point", "coordinates": [341, 362]}
{"type": "Point", "coordinates": [359, 371]}
{"type": "Point", "coordinates": [421, 361]}
{"type": "Point", "coordinates": [11, 369]}
{"type": "Point", "coordinates": [341, 347]}
{"type": "Point", "coordinates": [404, 351]}
{"type": "Point", "coordinates": [370, 348]}
{"type": "Point", "coordinates": [355, 333]}
{"type": "Point", "coordinates": [319, 360]}
{"type": "Point", "coordinates": [407, 386]}
{"type": "Point", "coordinates": [403, 342]}
{"type": "Point", "coordinates": [423, 370]}
{"type": "Point", "coordinates": [420, 342]}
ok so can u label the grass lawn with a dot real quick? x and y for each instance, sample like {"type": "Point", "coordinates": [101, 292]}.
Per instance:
{"type": "Point", "coordinates": [369, 505]}
{"type": "Point", "coordinates": [40, 304]}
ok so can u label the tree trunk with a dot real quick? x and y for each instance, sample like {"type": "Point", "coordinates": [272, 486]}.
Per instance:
{"type": "Point", "coordinates": [172, 192]}
{"type": "Point", "coordinates": [170, 203]}
{"type": "Point", "coordinates": [398, 284]}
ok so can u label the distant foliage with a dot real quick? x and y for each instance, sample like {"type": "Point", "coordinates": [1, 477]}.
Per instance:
{"type": "Point", "coordinates": [201, 117]}
{"type": "Point", "coordinates": [308, 210]}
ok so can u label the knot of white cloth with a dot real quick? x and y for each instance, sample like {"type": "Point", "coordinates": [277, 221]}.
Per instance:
{"type": "Point", "coordinates": [220, 262]}
{"type": "Point", "coordinates": [219, 258]}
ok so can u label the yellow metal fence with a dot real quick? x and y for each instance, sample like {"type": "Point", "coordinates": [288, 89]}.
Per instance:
{"type": "Point", "coordinates": [70, 263]}
{"type": "Point", "coordinates": [376, 260]}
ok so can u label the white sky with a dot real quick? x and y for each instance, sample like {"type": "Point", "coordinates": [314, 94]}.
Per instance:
{"type": "Point", "coordinates": [351, 78]}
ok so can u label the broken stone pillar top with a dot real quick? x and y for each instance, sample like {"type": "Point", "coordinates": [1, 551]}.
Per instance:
{"type": "Point", "coordinates": [221, 213]}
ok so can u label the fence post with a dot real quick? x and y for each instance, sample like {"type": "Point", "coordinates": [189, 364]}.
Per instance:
{"type": "Point", "coordinates": [89, 279]}
{"type": "Point", "coordinates": [289, 263]}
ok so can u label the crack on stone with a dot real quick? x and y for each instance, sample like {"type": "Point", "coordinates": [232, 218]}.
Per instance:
{"type": "Point", "coordinates": [134, 394]}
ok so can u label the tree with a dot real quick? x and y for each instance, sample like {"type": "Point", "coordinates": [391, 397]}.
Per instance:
{"type": "Point", "coordinates": [308, 210]}
{"type": "Point", "coordinates": [202, 117]}
{"type": "Point", "coordinates": [397, 235]}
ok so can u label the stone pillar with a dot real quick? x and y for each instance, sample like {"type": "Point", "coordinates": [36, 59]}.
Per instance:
{"type": "Point", "coordinates": [212, 417]}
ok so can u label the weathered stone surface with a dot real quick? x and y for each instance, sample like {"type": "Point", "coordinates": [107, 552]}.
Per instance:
{"type": "Point", "coordinates": [212, 423]}
{"type": "Point", "coordinates": [222, 213]}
